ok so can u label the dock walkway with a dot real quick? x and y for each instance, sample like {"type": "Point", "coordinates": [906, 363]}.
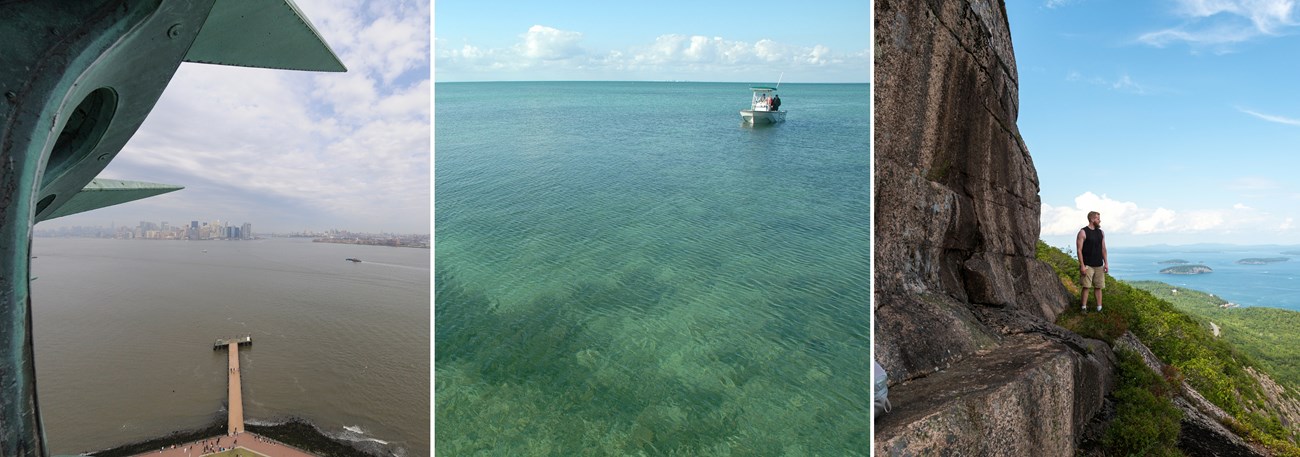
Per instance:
{"type": "Point", "coordinates": [235, 424]}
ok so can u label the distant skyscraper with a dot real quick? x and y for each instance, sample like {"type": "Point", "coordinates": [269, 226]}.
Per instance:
{"type": "Point", "coordinates": [247, 230]}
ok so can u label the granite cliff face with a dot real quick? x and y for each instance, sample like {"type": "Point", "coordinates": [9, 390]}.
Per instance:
{"type": "Point", "coordinates": [963, 310]}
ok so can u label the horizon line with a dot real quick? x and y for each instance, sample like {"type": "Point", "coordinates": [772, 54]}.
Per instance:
{"type": "Point", "coordinates": [633, 81]}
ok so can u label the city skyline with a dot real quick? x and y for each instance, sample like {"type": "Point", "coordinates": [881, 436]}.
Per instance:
{"type": "Point", "coordinates": [192, 230]}
{"type": "Point", "coordinates": [48, 230]}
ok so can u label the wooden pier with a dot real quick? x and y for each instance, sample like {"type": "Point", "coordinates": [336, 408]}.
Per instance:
{"type": "Point", "coordinates": [235, 406]}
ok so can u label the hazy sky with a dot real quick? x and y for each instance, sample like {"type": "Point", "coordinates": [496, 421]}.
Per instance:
{"type": "Point", "coordinates": [289, 150]}
{"type": "Point", "coordinates": [1178, 120]}
{"type": "Point", "coordinates": [651, 41]}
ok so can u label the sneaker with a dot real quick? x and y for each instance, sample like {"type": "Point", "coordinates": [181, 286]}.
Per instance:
{"type": "Point", "coordinates": [1083, 309]}
{"type": "Point", "coordinates": [1099, 309]}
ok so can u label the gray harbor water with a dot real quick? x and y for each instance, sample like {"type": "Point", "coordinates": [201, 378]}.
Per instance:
{"type": "Point", "coordinates": [124, 332]}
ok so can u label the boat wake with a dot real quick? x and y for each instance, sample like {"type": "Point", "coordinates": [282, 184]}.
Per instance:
{"type": "Point", "coordinates": [408, 267]}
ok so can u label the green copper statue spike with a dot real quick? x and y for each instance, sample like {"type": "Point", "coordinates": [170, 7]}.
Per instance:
{"type": "Point", "coordinates": [78, 78]}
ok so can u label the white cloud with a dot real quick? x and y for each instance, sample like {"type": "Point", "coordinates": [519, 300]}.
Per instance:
{"type": "Point", "coordinates": [1266, 15]}
{"type": "Point", "coordinates": [1128, 217]}
{"type": "Point", "coordinates": [1158, 220]}
{"type": "Point", "coordinates": [546, 43]}
{"type": "Point", "coordinates": [1126, 83]}
{"type": "Point", "coordinates": [673, 56]}
{"type": "Point", "coordinates": [380, 39]}
{"type": "Point", "coordinates": [1238, 223]}
{"type": "Point", "coordinates": [1224, 22]}
{"type": "Point", "coordinates": [1271, 118]}
{"type": "Point", "coordinates": [1123, 83]}
{"type": "Point", "coordinates": [346, 150]}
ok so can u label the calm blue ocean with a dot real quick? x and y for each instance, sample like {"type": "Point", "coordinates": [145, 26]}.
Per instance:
{"type": "Point", "coordinates": [623, 267]}
{"type": "Point", "coordinates": [1275, 285]}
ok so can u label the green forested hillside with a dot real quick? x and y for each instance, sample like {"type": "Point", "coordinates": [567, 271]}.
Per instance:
{"type": "Point", "coordinates": [1269, 335]}
{"type": "Point", "coordinates": [1213, 366]}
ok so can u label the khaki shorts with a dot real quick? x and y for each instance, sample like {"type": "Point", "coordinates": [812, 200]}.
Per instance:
{"type": "Point", "coordinates": [1093, 278]}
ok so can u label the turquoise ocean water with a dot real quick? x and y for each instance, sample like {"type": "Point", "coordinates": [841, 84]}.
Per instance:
{"type": "Point", "coordinates": [625, 268]}
{"type": "Point", "coordinates": [1275, 285]}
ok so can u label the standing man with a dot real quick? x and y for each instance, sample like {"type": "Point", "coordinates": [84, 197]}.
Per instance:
{"type": "Point", "coordinates": [1093, 264]}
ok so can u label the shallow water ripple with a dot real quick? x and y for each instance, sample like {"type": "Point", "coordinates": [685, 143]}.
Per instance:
{"type": "Point", "coordinates": [608, 285]}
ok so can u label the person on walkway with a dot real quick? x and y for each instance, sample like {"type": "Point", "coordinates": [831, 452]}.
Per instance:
{"type": "Point", "coordinates": [1093, 262]}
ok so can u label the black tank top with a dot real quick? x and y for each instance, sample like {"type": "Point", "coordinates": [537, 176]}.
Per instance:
{"type": "Point", "coordinates": [1092, 247]}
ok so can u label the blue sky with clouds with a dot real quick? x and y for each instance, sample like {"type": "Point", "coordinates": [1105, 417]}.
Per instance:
{"type": "Point", "coordinates": [652, 41]}
{"type": "Point", "coordinates": [1178, 120]}
{"type": "Point", "coordinates": [288, 150]}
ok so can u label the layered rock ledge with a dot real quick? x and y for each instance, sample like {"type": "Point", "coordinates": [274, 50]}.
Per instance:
{"type": "Point", "coordinates": [1005, 401]}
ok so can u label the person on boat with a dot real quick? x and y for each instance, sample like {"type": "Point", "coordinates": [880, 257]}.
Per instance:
{"type": "Point", "coordinates": [776, 102]}
{"type": "Point", "coordinates": [762, 102]}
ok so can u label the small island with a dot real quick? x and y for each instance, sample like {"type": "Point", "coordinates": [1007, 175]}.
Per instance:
{"type": "Point", "coordinates": [1173, 262]}
{"type": "Point", "coordinates": [1187, 270]}
{"type": "Point", "coordinates": [1262, 260]}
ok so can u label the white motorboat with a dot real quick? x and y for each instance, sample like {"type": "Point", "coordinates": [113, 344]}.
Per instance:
{"type": "Point", "coordinates": [764, 107]}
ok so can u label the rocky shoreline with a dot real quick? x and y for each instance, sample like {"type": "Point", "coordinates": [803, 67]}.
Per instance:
{"type": "Point", "coordinates": [294, 431]}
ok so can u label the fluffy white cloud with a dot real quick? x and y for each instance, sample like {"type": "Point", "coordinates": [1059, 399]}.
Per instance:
{"type": "Point", "coordinates": [547, 43]}
{"type": "Point", "coordinates": [346, 150]}
{"type": "Point", "coordinates": [1123, 217]}
{"type": "Point", "coordinates": [673, 55]}
{"type": "Point", "coordinates": [1127, 217]}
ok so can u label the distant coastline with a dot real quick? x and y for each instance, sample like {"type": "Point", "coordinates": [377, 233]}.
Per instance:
{"type": "Point", "coordinates": [1262, 260]}
{"type": "Point", "coordinates": [390, 242]}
